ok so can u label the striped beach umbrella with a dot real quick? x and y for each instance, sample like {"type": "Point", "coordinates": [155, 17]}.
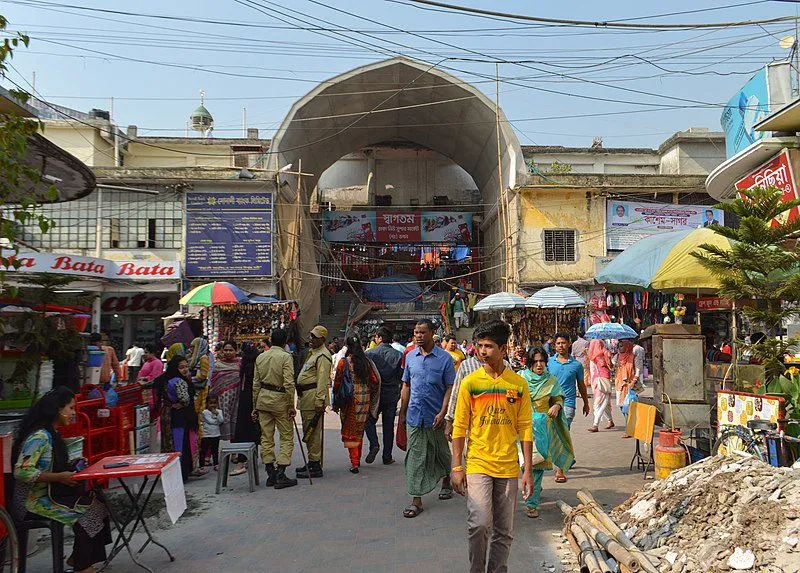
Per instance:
{"type": "Point", "coordinates": [215, 293]}
{"type": "Point", "coordinates": [555, 297]}
{"type": "Point", "coordinates": [501, 301]}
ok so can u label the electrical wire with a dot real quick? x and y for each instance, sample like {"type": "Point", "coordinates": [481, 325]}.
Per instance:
{"type": "Point", "coordinates": [596, 23]}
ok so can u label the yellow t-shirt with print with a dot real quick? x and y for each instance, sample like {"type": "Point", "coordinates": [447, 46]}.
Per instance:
{"type": "Point", "coordinates": [495, 412]}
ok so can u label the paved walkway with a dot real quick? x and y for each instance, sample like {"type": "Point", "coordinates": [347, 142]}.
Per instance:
{"type": "Point", "coordinates": [348, 522]}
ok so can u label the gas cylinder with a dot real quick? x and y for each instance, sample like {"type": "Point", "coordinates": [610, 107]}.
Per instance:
{"type": "Point", "coordinates": [669, 454]}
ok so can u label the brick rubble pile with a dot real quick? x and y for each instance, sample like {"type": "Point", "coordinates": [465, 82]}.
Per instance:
{"type": "Point", "coordinates": [720, 514]}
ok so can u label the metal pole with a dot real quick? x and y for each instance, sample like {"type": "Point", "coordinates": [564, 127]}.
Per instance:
{"type": "Point", "coordinates": [302, 451]}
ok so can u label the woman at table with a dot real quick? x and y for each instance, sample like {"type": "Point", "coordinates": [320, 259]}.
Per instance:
{"type": "Point", "coordinates": [178, 408]}
{"type": "Point", "coordinates": [600, 380]}
{"type": "Point", "coordinates": [225, 385]}
{"type": "Point", "coordinates": [44, 485]}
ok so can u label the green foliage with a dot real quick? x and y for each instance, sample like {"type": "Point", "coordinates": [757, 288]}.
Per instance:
{"type": "Point", "coordinates": [42, 335]}
{"type": "Point", "coordinates": [762, 264]}
{"type": "Point", "coordinates": [20, 182]}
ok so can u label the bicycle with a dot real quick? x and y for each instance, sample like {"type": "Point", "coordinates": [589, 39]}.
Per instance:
{"type": "Point", "coordinates": [759, 439]}
{"type": "Point", "coordinates": [9, 543]}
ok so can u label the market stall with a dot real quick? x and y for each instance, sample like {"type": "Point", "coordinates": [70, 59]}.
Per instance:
{"type": "Point", "coordinates": [228, 313]}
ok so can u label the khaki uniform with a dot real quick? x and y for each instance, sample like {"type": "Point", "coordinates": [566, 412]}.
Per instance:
{"type": "Point", "coordinates": [313, 382]}
{"type": "Point", "coordinates": [273, 397]}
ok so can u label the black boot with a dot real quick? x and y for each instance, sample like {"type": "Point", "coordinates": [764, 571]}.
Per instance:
{"type": "Point", "coordinates": [272, 473]}
{"type": "Point", "coordinates": [316, 470]}
{"type": "Point", "coordinates": [281, 481]}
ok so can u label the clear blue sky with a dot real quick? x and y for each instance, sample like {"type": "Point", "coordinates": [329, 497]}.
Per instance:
{"type": "Point", "coordinates": [82, 58]}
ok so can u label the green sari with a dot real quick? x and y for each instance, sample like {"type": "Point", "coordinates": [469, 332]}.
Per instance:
{"type": "Point", "coordinates": [551, 435]}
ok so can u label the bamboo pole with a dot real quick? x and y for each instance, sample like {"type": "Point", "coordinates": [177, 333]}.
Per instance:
{"type": "Point", "coordinates": [617, 551]}
{"type": "Point", "coordinates": [587, 557]}
{"type": "Point", "coordinates": [576, 550]}
{"type": "Point", "coordinates": [614, 530]}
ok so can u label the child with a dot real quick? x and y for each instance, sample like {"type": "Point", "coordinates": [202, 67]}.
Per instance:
{"type": "Point", "coordinates": [212, 419]}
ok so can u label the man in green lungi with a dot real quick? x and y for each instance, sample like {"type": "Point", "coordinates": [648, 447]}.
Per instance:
{"type": "Point", "coordinates": [427, 383]}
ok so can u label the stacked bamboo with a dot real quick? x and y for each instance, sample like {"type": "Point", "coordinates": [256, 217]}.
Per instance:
{"type": "Point", "coordinates": [598, 543]}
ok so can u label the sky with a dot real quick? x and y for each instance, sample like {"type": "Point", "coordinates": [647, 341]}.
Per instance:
{"type": "Point", "coordinates": [559, 85]}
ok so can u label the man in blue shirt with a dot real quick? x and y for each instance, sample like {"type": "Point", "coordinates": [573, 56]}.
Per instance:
{"type": "Point", "coordinates": [427, 383]}
{"type": "Point", "coordinates": [569, 373]}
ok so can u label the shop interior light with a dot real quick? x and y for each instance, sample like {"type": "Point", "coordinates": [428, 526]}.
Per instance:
{"type": "Point", "coordinates": [68, 291]}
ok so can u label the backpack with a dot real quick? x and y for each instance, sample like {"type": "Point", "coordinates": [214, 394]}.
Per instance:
{"type": "Point", "coordinates": [343, 394]}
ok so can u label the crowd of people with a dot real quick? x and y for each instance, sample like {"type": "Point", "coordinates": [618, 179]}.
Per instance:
{"type": "Point", "coordinates": [515, 411]}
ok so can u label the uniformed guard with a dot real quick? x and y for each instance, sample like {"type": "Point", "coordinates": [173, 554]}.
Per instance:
{"type": "Point", "coordinates": [273, 406]}
{"type": "Point", "coordinates": [312, 398]}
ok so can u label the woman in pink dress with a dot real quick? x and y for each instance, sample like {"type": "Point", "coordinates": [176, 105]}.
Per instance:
{"type": "Point", "coordinates": [600, 379]}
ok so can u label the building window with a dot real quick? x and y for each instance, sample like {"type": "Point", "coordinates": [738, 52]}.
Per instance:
{"type": "Point", "coordinates": [248, 156]}
{"type": "Point", "coordinates": [560, 245]}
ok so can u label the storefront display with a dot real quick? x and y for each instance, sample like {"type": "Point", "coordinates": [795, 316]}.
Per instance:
{"type": "Point", "coordinates": [129, 317]}
{"type": "Point", "coordinates": [253, 322]}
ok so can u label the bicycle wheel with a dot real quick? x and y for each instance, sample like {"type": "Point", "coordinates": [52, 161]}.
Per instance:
{"type": "Point", "coordinates": [9, 544]}
{"type": "Point", "coordinates": [738, 439]}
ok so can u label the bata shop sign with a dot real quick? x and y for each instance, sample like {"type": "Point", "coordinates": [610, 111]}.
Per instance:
{"type": "Point", "coordinates": [90, 267]}
{"type": "Point", "coordinates": [139, 302]}
{"type": "Point", "coordinates": [777, 172]}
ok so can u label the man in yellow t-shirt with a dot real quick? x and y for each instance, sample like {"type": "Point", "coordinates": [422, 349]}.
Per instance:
{"type": "Point", "coordinates": [451, 346]}
{"type": "Point", "coordinates": [494, 407]}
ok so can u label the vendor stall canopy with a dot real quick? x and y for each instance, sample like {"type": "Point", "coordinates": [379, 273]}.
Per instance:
{"type": "Point", "coordinates": [664, 262]}
{"type": "Point", "coordinates": [501, 301]}
{"type": "Point", "coordinates": [555, 297]}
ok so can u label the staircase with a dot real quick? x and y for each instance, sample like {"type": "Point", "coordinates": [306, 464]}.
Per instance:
{"type": "Point", "coordinates": [335, 322]}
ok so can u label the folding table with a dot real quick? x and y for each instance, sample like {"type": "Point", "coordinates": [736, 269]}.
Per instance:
{"type": "Point", "coordinates": [147, 466]}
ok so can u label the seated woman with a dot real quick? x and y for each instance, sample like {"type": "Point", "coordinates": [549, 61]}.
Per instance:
{"type": "Point", "coordinates": [44, 485]}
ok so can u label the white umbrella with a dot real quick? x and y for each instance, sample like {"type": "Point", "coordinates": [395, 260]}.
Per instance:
{"type": "Point", "coordinates": [555, 297]}
{"type": "Point", "coordinates": [501, 301]}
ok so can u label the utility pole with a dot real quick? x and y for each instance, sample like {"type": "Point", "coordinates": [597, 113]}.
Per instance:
{"type": "Point", "coordinates": [503, 207]}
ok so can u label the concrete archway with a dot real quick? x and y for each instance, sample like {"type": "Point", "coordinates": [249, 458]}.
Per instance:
{"type": "Point", "coordinates": [394, 100]}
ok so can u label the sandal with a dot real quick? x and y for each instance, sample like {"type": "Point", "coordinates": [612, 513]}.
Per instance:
{"type": "Point", "coordinates": [532, 512]}
{"type": "Point", "coordinates": [593, 429]}
{"type": "Point", "coordinates": [610, 426]}
{"type": "Point", "coordinates": [446, 493]}
{"type": "Point", "coordinates": [625, 436]}
{"type": "Point", "coordinates": [239, 470]}
{"type": "Point", "coordinates": [560, 478]}
{"type": "Point", "coordinates": [412, 511]}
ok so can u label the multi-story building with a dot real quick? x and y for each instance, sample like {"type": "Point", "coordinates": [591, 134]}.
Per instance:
{"type": "Point", "coordinates": [417, 184]}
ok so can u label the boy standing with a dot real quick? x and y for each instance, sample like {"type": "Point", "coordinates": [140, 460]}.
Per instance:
{"type": "Point", "coordinates": [494, 407]}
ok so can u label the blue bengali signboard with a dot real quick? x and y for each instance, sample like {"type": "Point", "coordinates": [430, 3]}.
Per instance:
{"type": "Point", "coordinates": [228, 234]}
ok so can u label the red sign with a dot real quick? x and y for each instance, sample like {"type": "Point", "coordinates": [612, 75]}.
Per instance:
{"type": "Point", "coordinates": [394, 227]}
{"type": "Point", "coordinates": [777, 172]}
{"type": "Point", "coordinates": [93, 267]}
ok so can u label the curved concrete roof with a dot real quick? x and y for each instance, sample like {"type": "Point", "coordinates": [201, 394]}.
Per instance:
{"type": "Point", "coordinates": [397, 100]}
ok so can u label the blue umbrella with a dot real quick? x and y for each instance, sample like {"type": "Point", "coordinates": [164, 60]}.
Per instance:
{"type": "Point", "coordinates": [610, 330]}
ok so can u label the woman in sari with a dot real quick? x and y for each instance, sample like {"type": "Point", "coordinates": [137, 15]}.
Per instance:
{"type": "Point", "coordinates": [359, 371]}
{"type": "Point", "coordinates": [550, 431]}
{"type": "Point", "coordinates": [626, 374]}
{"type": "Point", "coordinates": [600, 380]}
{"type": "Point", "coordinates": [200, 370]}
{"type": "Point", "coordinates": [225, 385]}
{"type": "Point", "coordinates": [179, 400]}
